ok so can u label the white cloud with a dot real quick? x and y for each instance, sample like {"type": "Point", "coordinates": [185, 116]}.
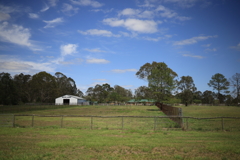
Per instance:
{"type": "Point", "coordinates": [102, 10]}
{"type": "Point", "coordinates": [7, 9]}
{"type": "Point", "coordinates": [53, 23]}
{"type": "Point", "coordinates": [157, 39]}
{"type": "Point", "coordinates": [33, 15]}
{"type": "Point", "coordinates": [123, 70]}
{"type": "Point", "coordinates": [14, 65]}
{"type": "Point", "coordinates": [236, 47]}
{"type": "Point", "coordinates": [53, 2]}
{"type": "Point", "coordinates": [206, 45]}
{"type": "Point", "coordinates": [69, 9]}
{"type": "Point", "coordinates": [183, 3]}
{"type": "Point", "coordinates": [45, 8]}
{"type": "Point", "coordinates": [68, 49]}
{"type": "Point", "coordinates": [141, 26]}
{"type": "Point", "coordinates": [129, 12]}
{"type": "Point", "coordinates": [96, 32]}
{"type": "Point", "coordinates": [167, 13]}
{"type": "Point", "coordinates": [193, 40]}
{"type": "Point", "coordinates": [94, 50]}
{"type": "Point", "coordinates": [91, 3]}
{"type": "Point", "coordinates": [97, 61]}
{"type": "Point", "coordinates": [211, 49]}
{"type": "Point", "coordinates": [193, 56]}
{"type": "Point", "coordinates": [17, 35]}
{"type": "Point", "coordinates": [4, 16]}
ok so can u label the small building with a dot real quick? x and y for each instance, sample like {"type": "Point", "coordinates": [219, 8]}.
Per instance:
{"type": "Point", "coordinates": [70, 100]}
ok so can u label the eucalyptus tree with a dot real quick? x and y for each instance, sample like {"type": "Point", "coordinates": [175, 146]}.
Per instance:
{"type": "Point", "coordinates": [65, 85]}
{"type": "Point", "coordinates": [161, 79]}
{"type": "Point", "coordinates": [99, 93]}
{"type": "Point", "coordinates": [219, 83]}
{"type": "Point", "coordinates": [8, 92]}
{"type": "Point", "coordinates": [143, 92]}
{"type": "Point", "coordinates": [187, 89]}
{"type": "Point", "coordinates": [23, 87]}
{"type": "Point", "coordinates": [235, 83]}
{"type": "Point", "coordinates": [44, 87]}
{"type": "Point", "coordinates": [208, 97]}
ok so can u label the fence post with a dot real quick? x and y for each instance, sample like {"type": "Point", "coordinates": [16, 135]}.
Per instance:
{"type": "Point", "coordinates": [32, 120]}
{"type": "Point", "coordinates": [187, 123]}
{"type": "Point", "coordinates": [91, 122]}
{"type": "Point", "coordinates": [222, 125]}
{"type": "Point", "coordinates": [13, 121]}
{"type": "Point", "coordinates": [62, 122]}
{"type": "Point", "coordinates": [180, 118]}
{"type": "Point", "coordinates": [155, 123]}
{"type": "Point", "coordinates": [122, 123]}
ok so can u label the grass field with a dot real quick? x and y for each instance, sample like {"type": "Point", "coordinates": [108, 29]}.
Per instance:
{"type": "Point", "coordinates": [52, 142]}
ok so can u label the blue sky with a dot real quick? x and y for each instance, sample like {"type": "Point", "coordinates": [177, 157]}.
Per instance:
{"type": "Point", "coordinates": [106, 41]}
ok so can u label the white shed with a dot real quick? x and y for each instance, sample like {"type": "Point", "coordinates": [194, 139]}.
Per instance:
{"type": "Point", "coordinates": [70, 100]}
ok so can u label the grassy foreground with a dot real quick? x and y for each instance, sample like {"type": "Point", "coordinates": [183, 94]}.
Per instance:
{"type": "Point", "coordinates": [51, 142]}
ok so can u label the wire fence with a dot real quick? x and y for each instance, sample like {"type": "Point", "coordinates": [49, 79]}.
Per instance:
{"type": "Point", "coordinates": [121, 122]}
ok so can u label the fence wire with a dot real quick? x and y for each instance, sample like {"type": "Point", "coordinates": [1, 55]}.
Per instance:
{"type": "Point", "coordinates": [122, 122]}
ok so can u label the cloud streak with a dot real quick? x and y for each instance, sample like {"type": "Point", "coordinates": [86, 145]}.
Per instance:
{"type": "Point", "coordinates": [237, 47]}
{"type": "Point", "coordinates": [192, 40]}
{"type": "Point", "coordinates": [97, 61]}
{"type": "Point", "coordinates": [91, 3]}
{"type": "Point", "coordinates": [193, 56]}
{"type": "Point", "coordinates": [137, 25]}
{"type": "Point", "coordinates": [17, 35]}
{"type": "Point", "coordinates": [53, 23]}
{"type": "Point", "coordinates": [97, 32]}
{"type": "Point", "coordinates": [123, 70]}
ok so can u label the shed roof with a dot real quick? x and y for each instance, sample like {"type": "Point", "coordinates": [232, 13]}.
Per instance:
{"type": "Point", "coordinates": [70, 96]}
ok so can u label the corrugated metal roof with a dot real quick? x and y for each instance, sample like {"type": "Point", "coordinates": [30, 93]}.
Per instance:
{"type": "Point", "coordinates": [70, 96]}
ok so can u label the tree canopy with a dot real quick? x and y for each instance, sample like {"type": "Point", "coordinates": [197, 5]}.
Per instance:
{"type": "Point", "coordinates": [161, 79]}
{"type": "Point", "coordinates": [219, 82]}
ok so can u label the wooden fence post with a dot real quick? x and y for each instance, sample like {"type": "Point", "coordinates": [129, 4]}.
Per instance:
{"type": "Point", "coordinates": [91, 122]}
{"type": "Point", "coordinates": [222, 124]}
{"type": "Point", "coordinates": [155, 123]}
{"type": "Point", "coordinates": [122, 123]}
{"type": "Point", "coordinates": [13, 121]}
{"type": "Point", "coordinates": [32, 120]}
{"type": "Point", "coordinates": [62, 122]}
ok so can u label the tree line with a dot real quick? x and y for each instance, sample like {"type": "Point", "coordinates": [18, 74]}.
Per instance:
{"type": "Point", "coordinates": [41, 87]}
{"type": "Point", "coordinates": [163, 86]}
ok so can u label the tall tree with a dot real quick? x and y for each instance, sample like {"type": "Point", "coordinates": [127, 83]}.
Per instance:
{"type": "Point", "coordinates": [161, 79]}
{"type": "Point", "coordinates": [65, 85]}
{"type": "Point", "coordinates": [43, 85]}
{"type": "Point", "coordinates": [143, 92]}
{"type": "Point", "coordinates": [208, 97]}
{"type": "Point", "coordinates": [99, 93]}
{"type": "Point", "coordinates": [235, 83]}
{"type": "Point", "coordinates": [8, 93]}
{"type": "Point", "coordinates": [23, 87]}
{"type": "Point", "coordinates": [187, 87]}
{"type": "Point", "coordinates": [219, 83]}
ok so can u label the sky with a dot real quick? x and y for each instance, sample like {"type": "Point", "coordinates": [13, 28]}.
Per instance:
{"type": "Point", "coordinates": [107, 41]}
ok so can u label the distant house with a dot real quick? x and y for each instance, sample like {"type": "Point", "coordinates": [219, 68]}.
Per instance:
{"type": "Point", "coordinates": [70, 100]}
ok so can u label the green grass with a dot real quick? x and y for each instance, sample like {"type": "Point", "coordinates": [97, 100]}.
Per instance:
{"type": "Point", "coordinates": [49, 143]}
{"type": "Point", "coordinates": [107, 140]}
{"type": "Point", "coordinates": [212, 124]}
